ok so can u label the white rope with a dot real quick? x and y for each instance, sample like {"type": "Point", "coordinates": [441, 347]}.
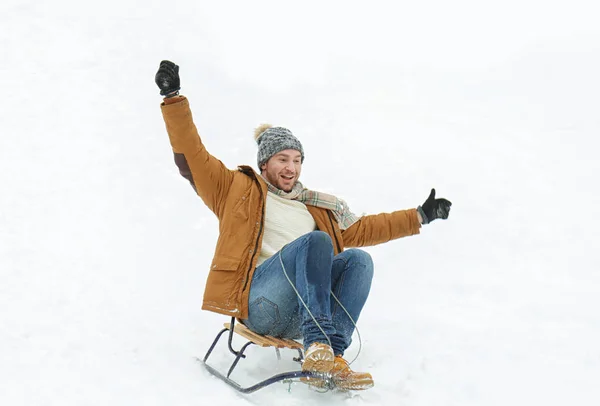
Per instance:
{"type": "Point", "coordinates": [355, 327]}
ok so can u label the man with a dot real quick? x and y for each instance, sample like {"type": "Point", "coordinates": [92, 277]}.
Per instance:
{"type": "Point", "coordinates": [280, 264]}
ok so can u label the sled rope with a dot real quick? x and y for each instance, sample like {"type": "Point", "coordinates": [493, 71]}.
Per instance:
{"type": "Point", "coordinates": [355, 327]}
{"type": "Point", "coordinates": [313, 317]}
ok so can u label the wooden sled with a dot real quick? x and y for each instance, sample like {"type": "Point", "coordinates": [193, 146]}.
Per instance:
{"type": "Point", "coordinates": [261, 341]}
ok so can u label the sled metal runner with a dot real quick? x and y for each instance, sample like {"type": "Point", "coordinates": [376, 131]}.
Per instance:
{"type": "Point", "coordinates": [263, 341]}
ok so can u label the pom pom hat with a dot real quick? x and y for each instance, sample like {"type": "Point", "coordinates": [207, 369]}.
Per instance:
{"type": "Point", "coordinates": [272, 140]}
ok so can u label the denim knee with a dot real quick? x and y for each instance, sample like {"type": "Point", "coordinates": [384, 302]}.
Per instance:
{"type": "Point", "coordinates": [363, 259]}
{"type": "Point", "coordinates": [320, 239]}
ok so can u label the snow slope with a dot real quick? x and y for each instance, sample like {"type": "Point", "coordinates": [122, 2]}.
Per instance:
{"type": "Point", "coordinates": [104, 249]}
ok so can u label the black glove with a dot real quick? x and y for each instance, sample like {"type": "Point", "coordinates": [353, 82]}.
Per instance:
{"type": "Point", "coordinates": [167, 79]}
{"type": "Point", "coordinates": [434, 208]}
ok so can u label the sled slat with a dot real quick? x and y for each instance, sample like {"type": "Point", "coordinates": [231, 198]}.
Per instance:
{"type": "Point", "coordinates": [263, 341]}
{"type": "Point", "coordinates": [278, 342]}
{"type": "Point", "coordinates": [287, 343]}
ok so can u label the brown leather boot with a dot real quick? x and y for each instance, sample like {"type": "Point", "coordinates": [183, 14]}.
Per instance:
{"type": "Point", "coordinates": [318, 358]}
{"type": "Point", "coordinates": [346, 379]}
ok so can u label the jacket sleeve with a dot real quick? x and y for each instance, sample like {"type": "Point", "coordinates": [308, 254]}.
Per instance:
{"type": "Point", "coordinates": [379, 228]}
{"type": "Point", "coordinates": [209, 176]}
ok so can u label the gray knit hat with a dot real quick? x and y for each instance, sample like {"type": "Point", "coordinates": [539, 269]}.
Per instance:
{"type": "Point", "coordinates": [272, 140]}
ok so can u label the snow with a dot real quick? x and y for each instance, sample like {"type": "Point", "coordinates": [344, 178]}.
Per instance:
{"type": "Point", "coordinates": [104, 248]}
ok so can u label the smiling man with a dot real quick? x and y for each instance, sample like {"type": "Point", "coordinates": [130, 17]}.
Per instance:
{"type": "Point", "coordinates": [283, 263]}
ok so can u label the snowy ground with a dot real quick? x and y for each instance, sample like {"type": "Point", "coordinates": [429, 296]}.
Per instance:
{"type": "Point", "coordinates": [104, 248]}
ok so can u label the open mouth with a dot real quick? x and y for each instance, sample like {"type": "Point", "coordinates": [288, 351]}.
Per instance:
{"type": "Point", "coordinates": [287, 177]}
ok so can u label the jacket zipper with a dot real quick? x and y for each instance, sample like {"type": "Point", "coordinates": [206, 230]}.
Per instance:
{"type": "Point", "coordinates": [257, 238]}
{"type": "Point", "coordinates": [333, 230]}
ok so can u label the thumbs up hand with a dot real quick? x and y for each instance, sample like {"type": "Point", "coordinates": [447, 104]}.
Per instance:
{"type": "Point", "coordinates": [434, 208]}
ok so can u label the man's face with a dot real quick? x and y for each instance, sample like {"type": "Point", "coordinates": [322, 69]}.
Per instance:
{"type": "Point", "coordinates": [282, 170]}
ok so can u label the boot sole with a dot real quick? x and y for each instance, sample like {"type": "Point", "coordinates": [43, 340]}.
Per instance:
{"type": "Point", "coordinates": [354, 385]}
{"type": "Point", "coordinates": [339, 385]}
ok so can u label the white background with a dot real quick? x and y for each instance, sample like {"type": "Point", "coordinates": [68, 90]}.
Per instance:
{"type": "Point", "coordinates": [104, 248]}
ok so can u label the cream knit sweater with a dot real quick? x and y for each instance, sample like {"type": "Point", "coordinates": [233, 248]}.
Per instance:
{"type": "Point", "coordinates": [285, 221]}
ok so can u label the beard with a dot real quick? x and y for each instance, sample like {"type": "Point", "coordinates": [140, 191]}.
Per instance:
{"type": "Point", "coordinates": [280, 182]}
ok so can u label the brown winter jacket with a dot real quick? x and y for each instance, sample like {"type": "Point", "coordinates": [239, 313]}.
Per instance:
{"type": "Point", "coordinates": [237, 197]}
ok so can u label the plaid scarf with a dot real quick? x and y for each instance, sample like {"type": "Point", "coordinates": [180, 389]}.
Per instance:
{"type": "Point", "coordinates": [338, 207]}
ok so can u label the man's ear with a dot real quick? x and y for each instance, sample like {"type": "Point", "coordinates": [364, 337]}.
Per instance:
{"type": "Point", "coordinates": [263, 167]}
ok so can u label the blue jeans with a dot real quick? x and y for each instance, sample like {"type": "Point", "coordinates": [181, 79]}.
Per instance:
{"type": "Point", "coordinates": [276, 310]}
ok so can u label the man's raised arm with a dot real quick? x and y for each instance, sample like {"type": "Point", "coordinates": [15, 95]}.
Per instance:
{"type": "Point", "coordinates": [208, 175]}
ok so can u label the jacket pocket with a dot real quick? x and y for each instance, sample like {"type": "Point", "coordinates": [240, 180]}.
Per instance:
{"type": "Point", "coordinates": [223, 284]}
{"type": "Point", "coordinates": [222, 263]}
